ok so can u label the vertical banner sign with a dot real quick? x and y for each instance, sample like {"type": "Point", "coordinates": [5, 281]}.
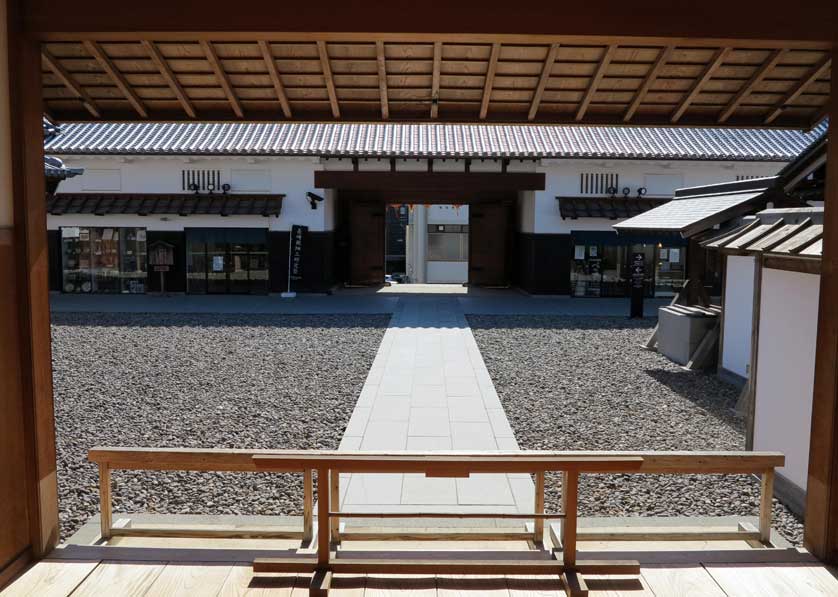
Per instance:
{"type": "Point", "coordinates": [296, 239]}
{"type": "Point", "coordinates": [637, 280]}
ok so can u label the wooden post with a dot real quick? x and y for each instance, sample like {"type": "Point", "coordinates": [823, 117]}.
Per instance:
{"type": "Point", "coordinates": [538, 534]}
{"type": "Point", "coordinates": [308, 506]}
{"type": "Point", "coordinates": [750, 402]}
{"type": "Point", "coordinates": [105, 500]}
{"type": "Point", "coordinates": [323, 538]}
{"type": "Point", "coordinates": [821, 532]}
{"type": "Point", "coordinates": [334, 498]}
{"type": "Point", "coordinates": [766, 500]}
{"type": "Point", "coordinates": [570, 497]}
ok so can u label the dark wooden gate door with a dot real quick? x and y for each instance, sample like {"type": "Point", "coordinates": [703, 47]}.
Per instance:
{"type": "Point", "coordinates": [366, 243]}
{"type": "Point", "coordinates": [488, 244]}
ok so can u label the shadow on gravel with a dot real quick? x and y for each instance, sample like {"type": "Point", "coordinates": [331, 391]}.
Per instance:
{"type": "Point", "coordinates": [687, 385]}
{"type": "Point", "coordinates": [272, 320]}
{"type": "Point", "coordinates": [559, 322]}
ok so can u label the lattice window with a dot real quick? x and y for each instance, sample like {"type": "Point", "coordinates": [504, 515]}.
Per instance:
{"type": "Point", "coordinates": [747, 176]}
{"type": "Point", "coordinates": [202, 178]}
{"type": "Point", "coordinates": [598, 183]}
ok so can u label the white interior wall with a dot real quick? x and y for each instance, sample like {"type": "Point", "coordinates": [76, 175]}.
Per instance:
{"type": "Point", "coordinates": [786, 368]}
{"type": "Point", "coordinates": [738, 309]}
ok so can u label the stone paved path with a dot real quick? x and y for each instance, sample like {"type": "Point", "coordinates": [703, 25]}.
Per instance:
{"type": "Point", "coordinates": [429, 389]}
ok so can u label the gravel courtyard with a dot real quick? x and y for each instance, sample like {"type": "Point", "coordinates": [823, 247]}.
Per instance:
{"type": "Point", "coordinates": [573, 383]}
{"type": "Point", "coordinates": [232, 381]}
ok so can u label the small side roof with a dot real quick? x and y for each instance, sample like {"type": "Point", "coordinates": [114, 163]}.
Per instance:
{"type": "Point", "coordinates": [786, 232]}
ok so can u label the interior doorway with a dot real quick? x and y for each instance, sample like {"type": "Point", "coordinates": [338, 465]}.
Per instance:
{"type": "Point", "coordinates": [366, 243]}
{"type": "Point", "coordinates": [491, 226]}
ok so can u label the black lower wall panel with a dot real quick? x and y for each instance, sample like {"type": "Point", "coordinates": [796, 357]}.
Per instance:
{"type": "Point", "coordinates": [54, 255]}
{"type": "Point", "coordinates": [176, 276]}
{"type": "Point", "coordinates": [318, 262]}
{"type": "Point", "coordinates": [543, 263]}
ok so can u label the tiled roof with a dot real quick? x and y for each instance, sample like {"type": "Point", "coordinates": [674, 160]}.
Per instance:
{"type": "Point", "coordinates": [605, 207]}
{"type": "Point", "coordinates": [182, 204]}
{"type": "Point", "coordinates": [794, 232]}
{"type": "Point", "coordinates": [431, 140]}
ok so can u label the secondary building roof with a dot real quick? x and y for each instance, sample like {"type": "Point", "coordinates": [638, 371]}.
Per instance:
{"type": "Point", "coordinates": [179, 204]}
{"type": "Point", "coordinates": [605, 207]}
{"type": "Point", "coordinates": [431, 140]}
{"type": "Point", "coordinates": [789, 232]}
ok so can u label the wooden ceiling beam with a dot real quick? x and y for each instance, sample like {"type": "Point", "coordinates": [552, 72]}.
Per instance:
{"type": "Point", "coordinates": [772, 61]}
{"type": "Point", "coordinates": [546, 70]}
{"type": "Point", "coordinates": [67, 79]}
{"type": "Point", "coordinates": [490, 80]}
{"type": "Point", "coordinates": [96, 51]}
{"type": "Point", "coordinates": [279, 88]}
{"type": "Point", "coordinates": [167, 74]}
{"type": "Point", "coordinates": [223, 80]}
{"type": "Point", "coordinates": [595, 81]}
{"type": "Point", "coordinates": [811, 76]}
{"type": "Point", "coordinates": [435, 79]}
{"type": "Point", "coordinates": [706, 75]}
{"type": "Point", "coordinates": [382, 79]}
{"type": "Point", "coordinates": [651, 76]}
{"type": "Point", "coordinates": [323, 51]}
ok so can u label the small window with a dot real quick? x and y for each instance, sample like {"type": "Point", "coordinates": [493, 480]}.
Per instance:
{"type": "Point", "coordinates": [599, 183]}
{"type": "Point", "coordinates": [102, 180]}
{"type": "Point", "coordinates": [204, 180]}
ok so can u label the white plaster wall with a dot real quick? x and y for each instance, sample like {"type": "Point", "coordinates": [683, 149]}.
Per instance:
{"type": "Point", "coordinates": [562, 179]}
{"type": "Point", "coordinates": [447, 272]}
{"type": "Point", "coordinates": [292, 177]}
{"type": "Point", "coordinates": [786, 368]}
{"type": "Point", "coordinates": [447, 214]}
{"type": "Point", "coordinates": [739, 309]}
{"type": "Point", "coordinates": [526, 211]}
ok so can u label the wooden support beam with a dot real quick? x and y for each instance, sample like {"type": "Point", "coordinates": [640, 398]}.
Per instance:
{"type": "Point", "coordinates": [279, 88]}
{"type": "Point", "coordinates": [323, 51]}
{"type": "Point", "coordinates": [821, 532]}
{"type": "Point", "coordinates": [546, 70]}
{"type": "Point", "coordinates": [814, 73]}
{"type": "Point", "coordinates": [105, 507]}
{"type": "Point", "coordinates": [324, 539]}
{"type": "Point", "coordinates": [435, 79]}
{"type": "Point", "coordinates": [538, 525]}
{"type": "Point", "coordinates": [772, 61]}
{"type": "Point", "coordinates": [167, 74]}
{"type": "Point", "coordinates": [308, 505]}
{"type": "Point", "coordinates": [765, 505]}
{"type": "Point", "coordinates": [382, 79]}
{"type": "Point", "coordinates": [96, 51]}
{"type": "Point", "coordinates": [595, 81]}
{"type": "Point", "coordinates": [67, 79]}
{"type": "Point", "coordinates": [653, 73]}
{"type": "Point", "coordinates": [489, 81]}
{"type": "Point", "coordinates": [223, 80]}
{"type": "Point", "coordinates": [706, 75]}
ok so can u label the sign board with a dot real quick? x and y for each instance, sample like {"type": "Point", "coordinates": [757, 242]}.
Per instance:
{"type": "Point", "coordinates": [295, 257]}
{"type": "Point", "coordinates": [161, 253]}
{"type": "Point", "coordinates": [637, 275]}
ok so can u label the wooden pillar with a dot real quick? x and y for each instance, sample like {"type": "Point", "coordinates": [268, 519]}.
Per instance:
{"type": "Point", "coordinates": [821, 531]}
{"type": "Point", "coordinates": [25, 359]}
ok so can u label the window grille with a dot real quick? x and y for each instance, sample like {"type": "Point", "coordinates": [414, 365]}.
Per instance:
{"type": "Point", "coordinates": [201, 178]}
{"type": "Point", "coordinates": [747, 176]}
{"type": "Point", "coordinates": [598, 183]}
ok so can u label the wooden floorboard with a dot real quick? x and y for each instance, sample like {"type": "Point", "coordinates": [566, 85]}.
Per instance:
{"type": "Point", "coordinates": [683, 581]}
{"type": "Point", "coordinates": [126, 579]}
{"type": "Point", "coordinates": [738, 580]}
{"type": "Point", "coordinates": [386, 585]}
{"type": "Point", "coordinates": [348, 585]}
{"type": "Point", "coordinates": [618, 586]}
{"type": "Point", "coordinates": [469, 586]}
{"type": "Point", "coordinates": [186, 580]}
{"type": "Point", "coordinates": [241, 583]}
{"type": "Point", "coordinates": [51, 579]}
{"type": "Point", "coordinates": [535, 586]}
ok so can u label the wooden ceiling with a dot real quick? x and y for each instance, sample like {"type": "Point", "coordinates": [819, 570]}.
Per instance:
{"type": "Point", "coordinates": [449, 78]}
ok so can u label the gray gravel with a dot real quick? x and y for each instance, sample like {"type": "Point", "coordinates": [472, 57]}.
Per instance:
{"type": "Point", "coordinates": [573, 383]}
{"type": "Point", "coordinates": [230, 381]}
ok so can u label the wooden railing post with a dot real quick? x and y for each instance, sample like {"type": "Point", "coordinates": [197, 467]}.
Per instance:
{"type": "Point", "coordinates": [765, 505]}
{"type": "Point", "coordinates": [308, 506]}
{"type": "Point", "coordinates": [334, 498]}
{"type": "Point", "coordinates": [105, 499]}
{"type": "Point", "coordinates": [570, 499]}
{"type": "Point", "coordinates": [538, 534]}
{"type": "Point", "coordinates": [323, 535]}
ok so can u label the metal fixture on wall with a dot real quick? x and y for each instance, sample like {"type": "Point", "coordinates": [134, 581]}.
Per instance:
{"type": "Point", "coordinates": [313, 199]}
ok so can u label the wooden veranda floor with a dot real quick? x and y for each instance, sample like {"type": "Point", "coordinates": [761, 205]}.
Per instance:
{"type": "Point", "coordinates": [198, 567]}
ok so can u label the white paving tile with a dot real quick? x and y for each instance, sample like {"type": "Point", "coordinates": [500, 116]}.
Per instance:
{"type": "Point", "coordinates": [485, 489]}
{"type": "Point", "coordinates": [418, 489]}
{"type": "Point", "coordinates": [467, 410]}
{"type": "Point", "coordinates": [428, 443]}
{"type": "Point", "coordinates": [391, 408]}
{"type": "Point", "coordinates": [374, 489]}
{"type": "Point", "coordinates": [426, 395]}
{"type": "Point", "coordinates": [429, 421]}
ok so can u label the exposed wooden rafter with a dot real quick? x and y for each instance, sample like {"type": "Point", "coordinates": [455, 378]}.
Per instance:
{"type": "Point", "coordinates": [323, 51]}
{"type": "Point", "coordinates": [706, 75]}
{"type": "Point", "coordinates": [755, 80]}
{"type": "Point", "coordinates": [595, 81]}
{"type": "Point", "coordinates": [215, 64]}
{"type": "Point", "coordinates": [279, 88]}
{"type": "Point", "coordinates": [66, 78]}
{"type": "Point", "coordinates": [169, 76]}
{"type": "Point", "coordinates": [653, 73]}
{"type": "Point", "coordinates": [435, 79]}
{"type": "Point", "coordinates": [489, 81]}
{"type": "Point", "coordinates": [814, 73]}
{"type": "Point", "coordinates": [382, 79]}
{"type": "Point", "coordinates": [546, 69]}
{"type": "Point", "coordinates": [821, 115]}
{"type": "Point", "coordinates": [116, 76]}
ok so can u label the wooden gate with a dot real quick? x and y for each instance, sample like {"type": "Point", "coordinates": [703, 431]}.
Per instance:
{"type": "Point", "coordinates": [489, 244]}
{"type": "Point", "coordinates": [366, 243]}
